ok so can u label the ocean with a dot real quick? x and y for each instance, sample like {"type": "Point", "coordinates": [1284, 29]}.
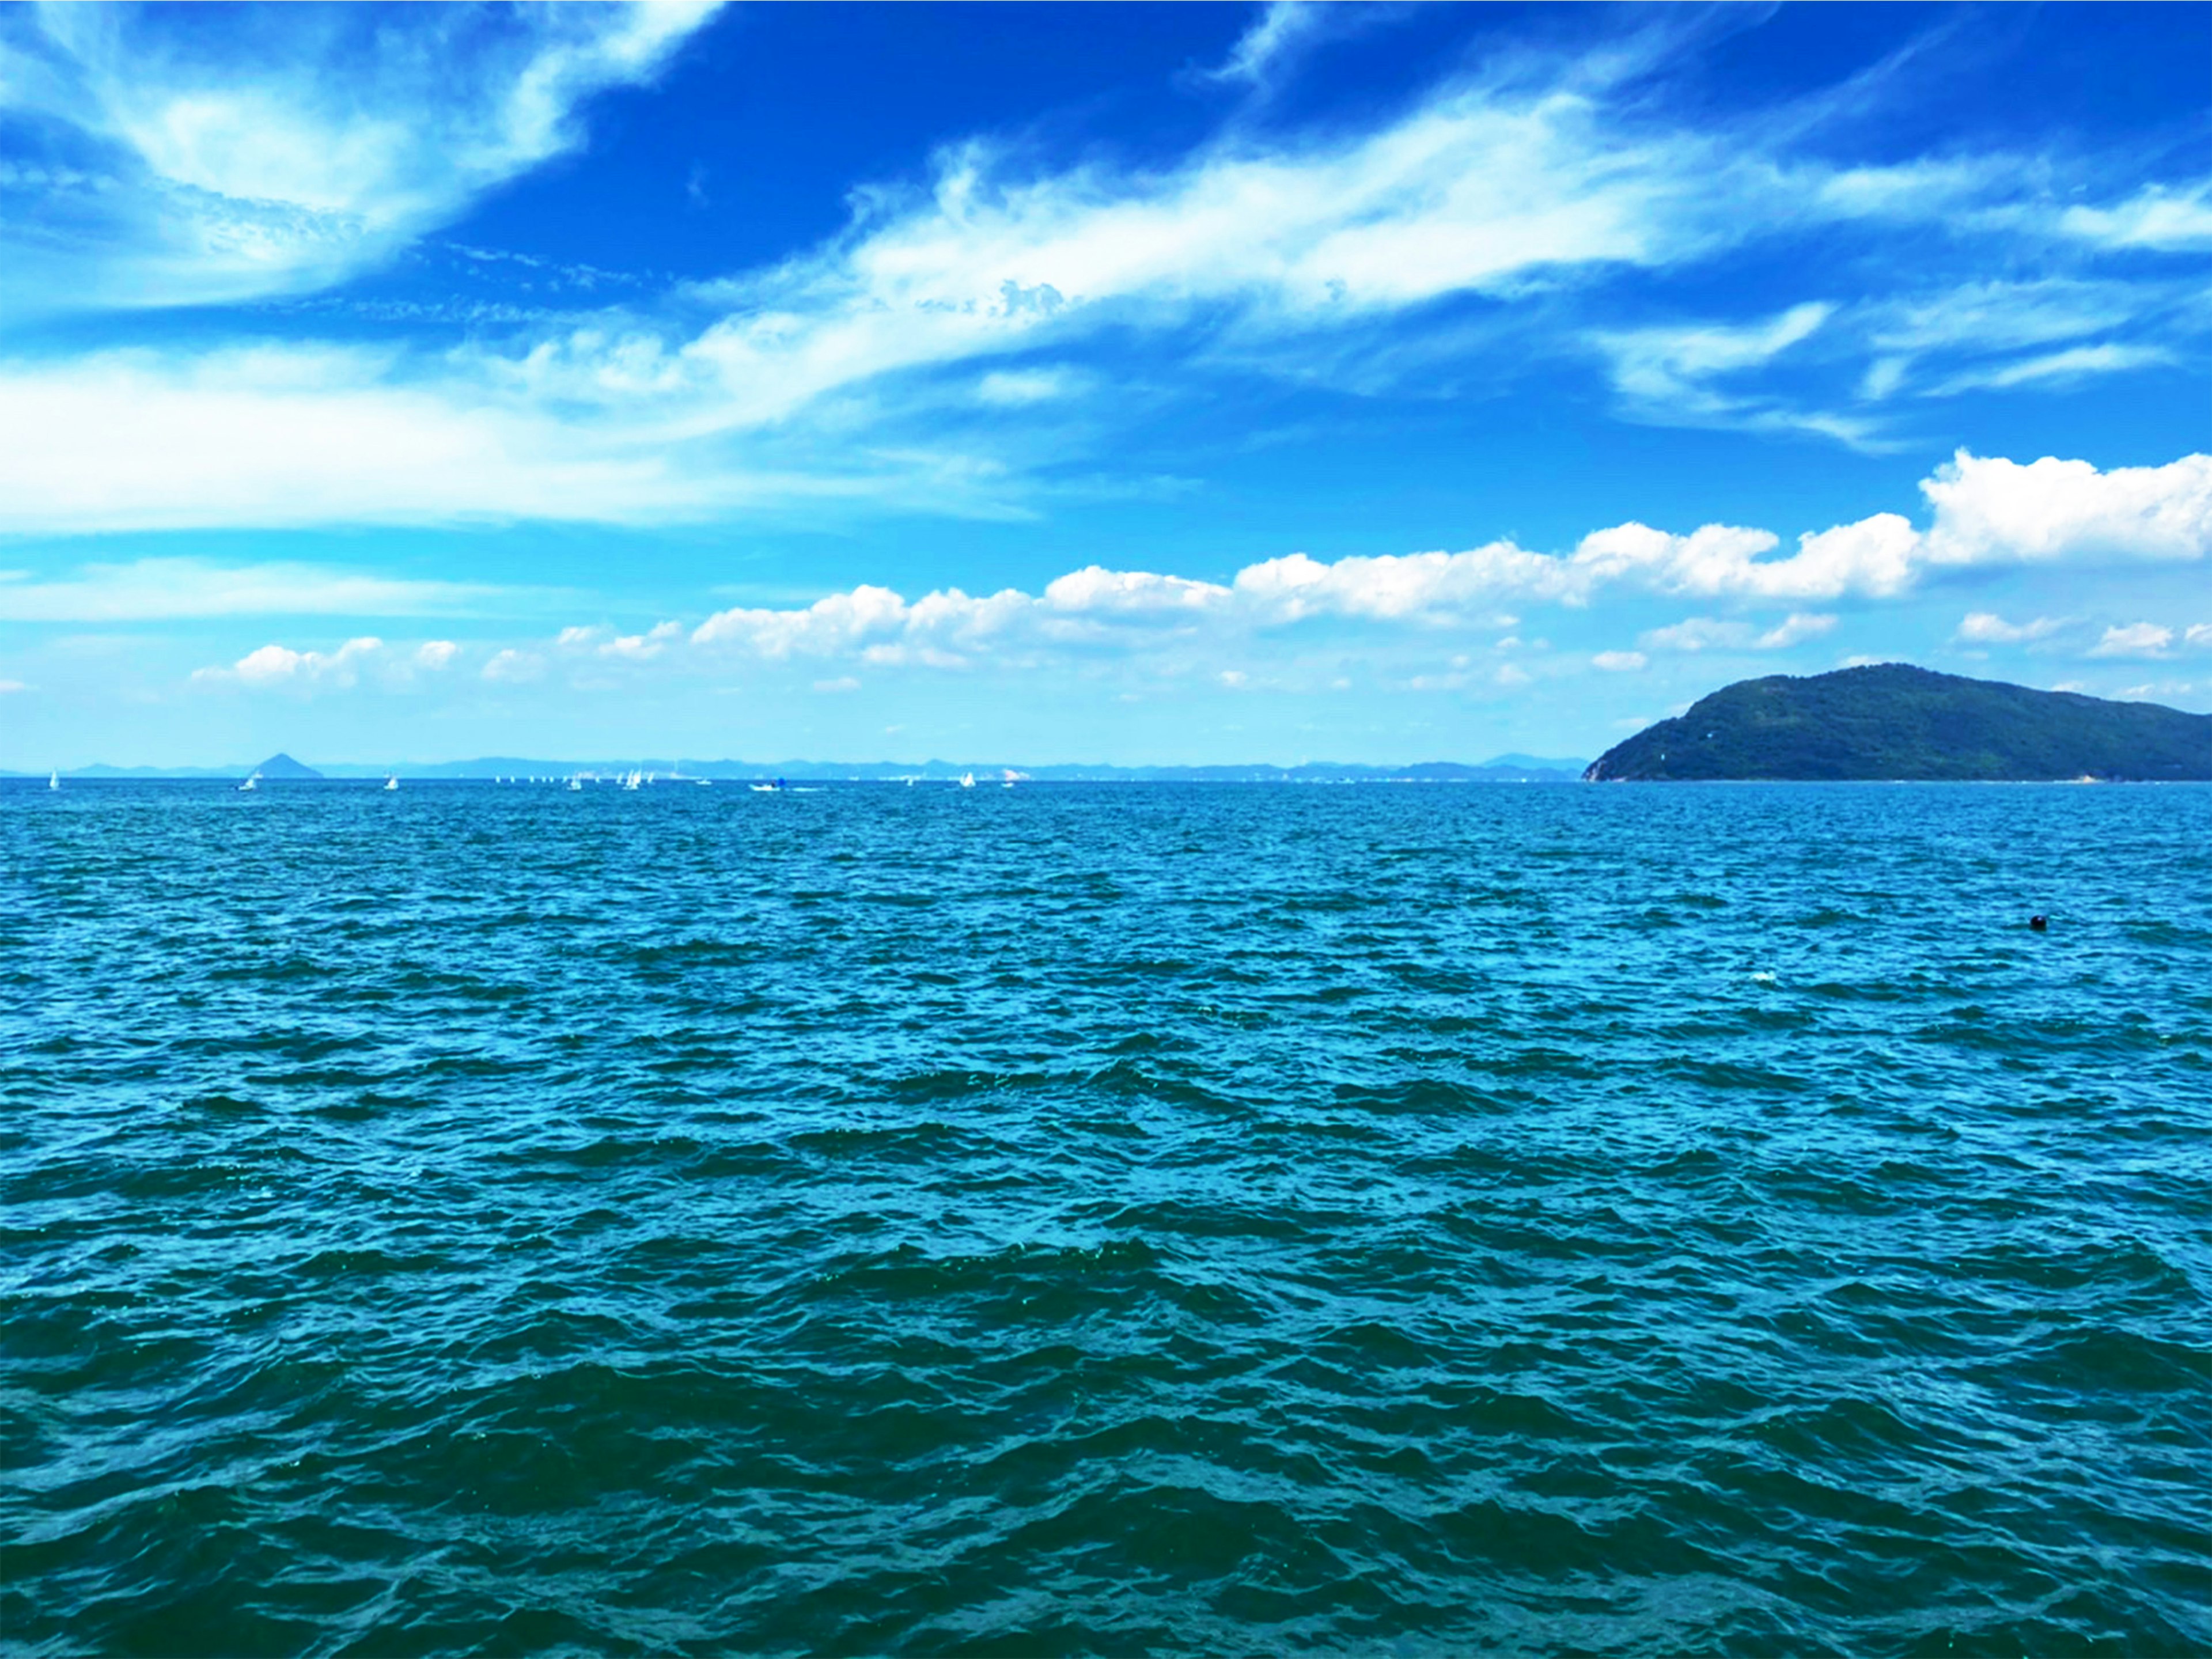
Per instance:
{"type": "Point", "coordinates": [1106, 1219]}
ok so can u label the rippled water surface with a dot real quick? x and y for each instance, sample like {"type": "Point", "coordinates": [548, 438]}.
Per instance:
{"type": "Point", "coordinates": [1120, 1219]}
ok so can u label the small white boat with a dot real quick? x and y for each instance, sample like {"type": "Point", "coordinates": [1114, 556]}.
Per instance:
{"type": "Point", "coordinates": [633, 780]}
{"type": "Point", "coordinates": [390, 781]}
{"type": "Point", "coordinates": [54, 779]}
{"type": "Point", "coordinates": [253, 782]}
{"type": "Point", "coordinates": [967, 779]}
{"type": "Point", "coordinates": [575, 783]}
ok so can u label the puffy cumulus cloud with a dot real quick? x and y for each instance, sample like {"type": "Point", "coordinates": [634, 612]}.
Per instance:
{"type": "Point", "coordinates": [9, 688]}
{"type": "Point", "coordinates": [435, 654]}
{"type": "Point", "coordinates": [2141, 639]}
{"type": "Point", "coordinates": [1987, 628]}
{"type": "Point", "coordinates": [514, 668]}
{"type": "Point", "coordinates": [279, 665]}
{"type": "Point", "coordinates": [1702, 633]}
{"type": "Point", "coordinates": [1620, 662]}
{"type": "Point", "coordinates": [1793, 630]}
{"type": "Point", "coordinates": [1095, 590]}
{"type": "Point", "coordinates": [1991, 510]}
{"type": "Point", "coordinates": [2199, 634]}
{"type": "Point", "coordinates": [840, 622]}
{"type": "Point", "coordinates": [230, 156]}
{"type": "Point", "coordinates": [1411, 586]}
{"type": "Point", "coordinates": [639, 647]}
{"type": "Point", "coordinates": [1875, 556]}
{"type": "Point", "coordinates": [2150, 511]}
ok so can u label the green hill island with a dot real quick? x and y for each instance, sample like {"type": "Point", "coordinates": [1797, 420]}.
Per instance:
{"type": "Point", "coordinates": [1895, 722]}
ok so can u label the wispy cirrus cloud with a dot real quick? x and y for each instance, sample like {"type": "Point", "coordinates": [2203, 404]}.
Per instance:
{"type": "Point", "coordinates": [1493, 218]}
{"type": "Point", "coordinates": [172, 589]}
{"type": "Point", "coordinates": [226, 156]}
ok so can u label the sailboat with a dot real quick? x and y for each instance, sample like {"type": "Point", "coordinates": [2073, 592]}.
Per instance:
{"type": "Point", "coordinates": [634, 779]}
{"type": "Point", "coordinates": [967, 779]}
{"type": "Point", "coordinates": [54, 779]}
{"type": "Point", "coordinates": [390, 782]}
{"type": "Point", "coordinates": [576, 783]}
{"type": "Point", "coordinates": [253, 782]}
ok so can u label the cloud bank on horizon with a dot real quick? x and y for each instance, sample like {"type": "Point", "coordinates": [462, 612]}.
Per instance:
{"type": "Point", "coordinates": [1147, 371]}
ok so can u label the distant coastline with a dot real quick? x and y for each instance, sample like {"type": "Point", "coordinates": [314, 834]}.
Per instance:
{"type": "Point", "coordinates": [1502, 768]}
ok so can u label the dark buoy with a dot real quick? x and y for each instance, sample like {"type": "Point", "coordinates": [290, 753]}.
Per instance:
{"type": "Point", "coordinates": [2038, 924]}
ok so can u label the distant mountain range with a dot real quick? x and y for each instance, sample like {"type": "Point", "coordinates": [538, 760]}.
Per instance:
{"type": "Point", "coordinates": [1896, 722]}
{"type": "Point", "coordinates": [1506, 769]}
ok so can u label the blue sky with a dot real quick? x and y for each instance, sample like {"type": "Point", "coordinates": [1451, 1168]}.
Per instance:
{"type": "Point", "coordinates": [1083, 383]}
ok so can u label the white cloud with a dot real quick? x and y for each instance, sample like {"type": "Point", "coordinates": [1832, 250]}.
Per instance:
{"type": "Point", "coordinates": [1793, 630]}
{"type": "Point", "coordinates": [1987, 628]}
{"type": "Point", "coordinates": [2055, 369]}
{"type": "Point", "coordinates": [637, 647]}
{"type": "Point", "coordinates": [2088, 515]}
{"type": "Point", "coordinates": [1620, 662]}
{"type": "Point", "coordinates": [1012, 388]}
{"type": "Point", "coordinates": [1989, 510]}
{"type": "Point", "coordinates": [1670, 368]}
{"type": "Point", "coordinates": [1696, 634]}
{"type": "Point", "coordinates": [2134, 640]}
{"type": "Point", "coordinates": [159, 590]}
{"type": "Point", "coordinates": [1284, 26]}
{"type": "Point", "coordinates": [2156, 217]}
{"type": "Point", "coordinates": [323, 139]}
{"type": "Point", "coordinates": [1875, 556]}
{"type": "Point", "coordinates": [130, 440]}
{"type": "Point", "coordinates": [512, 667]}
{"type": "Point", "coordinates": [279, 665]}
{"type": "Point", "coordinates": [1700, 633]}
{"type": "Point", "coordinates": [267, 153]}
{"type": "Point", "coordinates": [841, 684]}
{"type": "Point", "coordinates": [436, 653]}
{"type": "Point", "coordinates": [2201, 635]}
{"type": "Point", "coordinates": [840, 621]}
{"type": "Point", "coordinates": [9, 688]}
{"type": "Point", "coordinates": [1124, 593]}
{"type": "Point", "coordinates": [1411, 586]}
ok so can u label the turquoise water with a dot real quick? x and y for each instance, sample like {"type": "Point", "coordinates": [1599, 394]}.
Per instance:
{"type": "Point", "coordinates": [1106, 1219]}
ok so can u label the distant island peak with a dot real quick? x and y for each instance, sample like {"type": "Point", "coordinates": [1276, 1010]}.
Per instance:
{"type": "Point", "coordinates": [1897, 722]}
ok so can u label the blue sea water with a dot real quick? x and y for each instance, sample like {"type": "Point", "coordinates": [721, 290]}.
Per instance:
{"type": "Point", "coordinates": [1130, 1219]}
